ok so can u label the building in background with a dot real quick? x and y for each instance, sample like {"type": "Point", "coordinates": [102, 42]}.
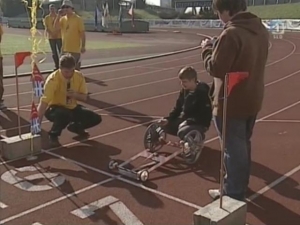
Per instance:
{"type": "Point", "coordinates": [166, 3]}
{"type": "Point", "coordinates": [161, 3]}
{"type": "Point", "coordinates": [195, 6]}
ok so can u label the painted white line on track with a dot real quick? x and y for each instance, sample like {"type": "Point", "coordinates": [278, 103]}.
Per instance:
{"type": "Point", "coordinates": [116, 78]}
{"type": "Point", "coordinates": [118, 177]}
{"type": "Point", "coordinates": [277, 121]}
{"type": "Point", "coordinates": [118, 69]}
{"type": "Point", "coordinates": [2, 205]}
{"type": "Point", "coordinates": [140, 185]}
{"type": "Point", "coordinates": [26, 212]}
{"type": "Point", "coordinates": [273, 184]}
{"type": "Point", "coordinates": [154, 97]}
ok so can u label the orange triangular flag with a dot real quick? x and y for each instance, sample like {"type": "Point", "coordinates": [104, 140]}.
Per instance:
{"type": "Point", "coordinates": [20, 57]}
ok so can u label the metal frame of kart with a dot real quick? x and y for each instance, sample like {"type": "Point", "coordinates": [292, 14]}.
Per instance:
{"type": "Point", "coordinates": [142, 172]}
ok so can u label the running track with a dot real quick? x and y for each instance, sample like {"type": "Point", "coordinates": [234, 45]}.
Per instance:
{"type": "Point", "coordinates": [129, 96]}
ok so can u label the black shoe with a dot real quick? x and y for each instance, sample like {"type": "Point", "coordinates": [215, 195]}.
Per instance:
{"type": "Point", "coordinates": [53, 140]}
{"type": "Point", "coordinates": [2, 106]}
{"type": "Point", "coordinates": [74, 128]}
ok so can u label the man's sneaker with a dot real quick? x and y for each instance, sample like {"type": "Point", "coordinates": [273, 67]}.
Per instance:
{"type": "Point", "coordinates": [77, 130]}
{"type": "Point", "coordinates": [214, 193]}
{"type": "Point", "coordinates": [2, 106]}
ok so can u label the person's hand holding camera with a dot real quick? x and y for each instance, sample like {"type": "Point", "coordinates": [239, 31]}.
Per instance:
{"type": "Point", "coordinates": [208, 42]}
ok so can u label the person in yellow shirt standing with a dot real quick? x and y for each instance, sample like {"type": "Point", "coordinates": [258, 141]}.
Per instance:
{"type": "Point", "coordinates": [54, 35]}
{"type": "Point", "coordinates": [2, 106]}
{"type": "Point", "coordinates": [73, 31]}
{"type": "Point", "coordinates": [62, 89]}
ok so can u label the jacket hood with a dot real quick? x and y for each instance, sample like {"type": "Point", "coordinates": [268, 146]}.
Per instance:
{"type": "Point", "coordinates": [201, 86]}
{"type": "Point", "coordinates": [247, 21]}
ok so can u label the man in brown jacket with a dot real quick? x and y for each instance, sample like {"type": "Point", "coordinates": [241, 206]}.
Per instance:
{"type": "Point", "coordinates": [241, 47]}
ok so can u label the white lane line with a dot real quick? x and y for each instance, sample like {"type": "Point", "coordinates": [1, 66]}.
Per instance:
{"type": "Point", "coordinates": [119, 69]}
{"type": "Point", "coordinates": [273, 184]}
{"type": "Point", "coordinates": [26, 212]}
{"type": "Point", "coordinates": [2, 205]}
{"type": "Point", "coordinates": [192, 205]}
{"type": "Point", "coordinates": [279, 121]}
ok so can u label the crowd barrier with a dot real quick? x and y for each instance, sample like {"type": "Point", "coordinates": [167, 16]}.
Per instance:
{"type": "Point", "coordinates": [282, 24]}
{"type": "Point", "coordinates": [276, 24]}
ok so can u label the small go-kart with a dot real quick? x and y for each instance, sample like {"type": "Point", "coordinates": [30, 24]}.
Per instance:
{"type": "Point", "coordinates": [155, 138]}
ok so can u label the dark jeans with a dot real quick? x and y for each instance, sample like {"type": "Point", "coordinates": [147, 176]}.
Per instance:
{"type": "Point", "coordinates": [180, 129]}
{"type": "Point", "coordinates": [55, 45]}
{"type": "Point", "coordinates": [1, 79]}
{"type": "Point", "coordinates": [79, 117]}
{"type": "Point", "coordinates": [77, 57]}
{"type": "Point", "coordinates": [237, 156]}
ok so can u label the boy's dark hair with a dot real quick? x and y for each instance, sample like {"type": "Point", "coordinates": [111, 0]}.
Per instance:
{"type": "Point", "coordinates": [233, 6]}
{"type": "Point", "coordinates": [187, 72]}
{"type": "Point", "coordinates": [67, 61]}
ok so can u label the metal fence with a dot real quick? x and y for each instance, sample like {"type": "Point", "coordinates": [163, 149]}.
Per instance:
{"type": "Point", "coordinates": [270, 2]}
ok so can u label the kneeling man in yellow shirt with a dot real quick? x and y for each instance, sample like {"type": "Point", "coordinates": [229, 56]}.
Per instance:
{"type": "Point", "coordinates": [62, 89]}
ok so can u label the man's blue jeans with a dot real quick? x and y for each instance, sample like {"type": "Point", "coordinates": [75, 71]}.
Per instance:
{"type": "Point", "coordinates": [237, 158]}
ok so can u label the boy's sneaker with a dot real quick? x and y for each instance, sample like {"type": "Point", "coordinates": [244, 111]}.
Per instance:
{"type": "Point", "coordinates": [192, 153]}
{"type": "Point", "coordinates": [2, 106]}
{"type": "Point", "coordinates": [74, 128]}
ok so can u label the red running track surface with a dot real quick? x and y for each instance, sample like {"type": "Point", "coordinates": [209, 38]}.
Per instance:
{"type": "Point", "coordinates": [129, 96]}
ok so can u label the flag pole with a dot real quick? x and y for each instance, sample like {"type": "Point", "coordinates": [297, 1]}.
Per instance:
{"type": "Point", "coordinates": [18, 101]}
{"type": "Point", "coordinates": [19, 60]}
{"type": "Point", "coordinates": [223, 141]}
{"type": "Point", "coordinates": [32, 157]}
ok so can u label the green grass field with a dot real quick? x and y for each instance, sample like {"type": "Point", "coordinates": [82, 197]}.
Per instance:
{"type": "Point", "coordinates": [139, 13]}
{"type": "Point", "coordinates": [282, 11]}
{"type": "Point", "coordinates": [12, 43]}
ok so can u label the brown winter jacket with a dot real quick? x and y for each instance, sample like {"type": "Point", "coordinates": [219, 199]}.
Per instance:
{"type": "Point", "coordinates": [241, 47]}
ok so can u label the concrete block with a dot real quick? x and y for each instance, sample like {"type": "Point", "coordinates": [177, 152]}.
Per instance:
{"type": "Point", "coordinates": [19, 146]}
{"type": "Point", "coordinates": [233, 212]}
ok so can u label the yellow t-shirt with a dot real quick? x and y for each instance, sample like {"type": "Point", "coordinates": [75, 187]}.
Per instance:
{"type": "Point", "coordinates": [55, 89]}
{"type": "Point", "coordinates": [1, 34]}
{"type": "Point", "coordinates": [71, 27]}
{"type": "Point", "coordinates": [49, 24]}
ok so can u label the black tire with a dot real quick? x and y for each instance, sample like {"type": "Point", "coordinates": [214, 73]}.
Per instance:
{"type": "Point", "coordinates": [195, 140]}
{"type": "Point", "coordinates": [152, 133]}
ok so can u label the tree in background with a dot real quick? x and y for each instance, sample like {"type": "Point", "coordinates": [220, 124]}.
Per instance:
{"type": "Point", "coordinates": [140, 4]}
{"type": "Point", "coordinates": [114, 4]}
{"type": "Point", "coordinates": [11, 8]}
